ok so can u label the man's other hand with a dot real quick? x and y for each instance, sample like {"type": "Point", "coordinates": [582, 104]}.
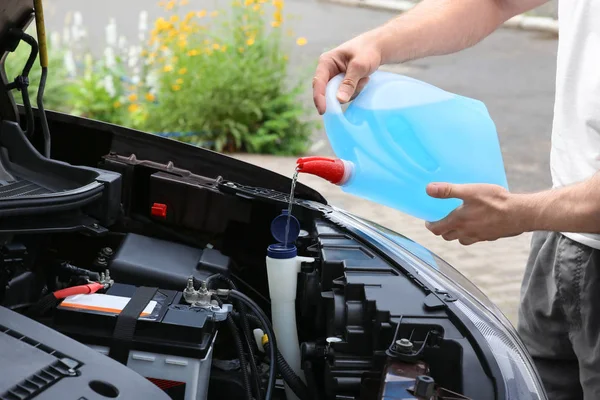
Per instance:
{"type": "Point", "coordinates": [488, 212]}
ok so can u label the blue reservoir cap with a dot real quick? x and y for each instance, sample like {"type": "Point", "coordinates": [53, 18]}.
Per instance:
{"type": "Point", "coordinates": [278, 228]}
{"type": "Point", "coordinates": [281, 252]}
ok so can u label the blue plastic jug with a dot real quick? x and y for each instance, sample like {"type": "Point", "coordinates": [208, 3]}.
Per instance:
{"type": "Point", "coordinates": [400, 134]}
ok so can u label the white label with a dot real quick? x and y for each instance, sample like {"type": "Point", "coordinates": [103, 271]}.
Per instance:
{"type": "Point", "coordinates": [103, 303]}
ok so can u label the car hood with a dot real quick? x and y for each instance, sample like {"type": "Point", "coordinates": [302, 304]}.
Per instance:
{"type": "Point", "coordinates": [14, 14]}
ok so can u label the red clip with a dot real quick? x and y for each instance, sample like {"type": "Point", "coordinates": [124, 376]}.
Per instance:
{"type": "Point", "coordinates": [159, 210]}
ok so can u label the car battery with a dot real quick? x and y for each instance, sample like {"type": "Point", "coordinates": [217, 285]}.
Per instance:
{"type": "Point", "coordinates": [170, 344]}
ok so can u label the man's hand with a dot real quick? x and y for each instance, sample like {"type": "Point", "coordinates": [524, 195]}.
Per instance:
{"type": "Point", "coordinates": [488, 212]}
{"type": "Point", "coordinates": [357, 58]}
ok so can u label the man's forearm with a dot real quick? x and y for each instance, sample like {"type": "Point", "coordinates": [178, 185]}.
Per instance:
{"type": "Point", "coordinates": [436, 27]}
{"type": "Point", "coordinates": [574, 208]}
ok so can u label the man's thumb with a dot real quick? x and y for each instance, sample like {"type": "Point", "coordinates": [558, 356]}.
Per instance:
{"type": "Point", "coordinates": [350, 82]}
{"type": "Point", "coordinates": [442, 190]}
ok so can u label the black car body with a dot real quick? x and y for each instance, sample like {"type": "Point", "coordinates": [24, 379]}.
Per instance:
{"type": "Point", "coordinates": [154, 212]}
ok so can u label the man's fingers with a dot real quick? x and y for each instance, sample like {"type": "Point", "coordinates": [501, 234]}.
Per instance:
{"type": "Point", "coordinates": [440, 227]}
{"type": "Point", "coordinates": [356, 71]}
{"type": "Point", "coordinates": [450, 235]}
{"type": "Point", "coordinates": [326, 69]}
{"type": "Point", "coordinates": [442, 190]}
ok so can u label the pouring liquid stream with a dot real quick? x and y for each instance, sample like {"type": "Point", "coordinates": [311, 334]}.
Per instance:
{"type": "Point", "coordinates": [290, 205]}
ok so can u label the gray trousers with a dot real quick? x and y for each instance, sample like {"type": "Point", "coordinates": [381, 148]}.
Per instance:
{"type": "Point", "coordinates": [559, 317]}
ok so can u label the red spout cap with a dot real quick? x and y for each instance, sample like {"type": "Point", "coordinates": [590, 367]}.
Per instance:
{"type": "Point", "coordinates": [334, 170]}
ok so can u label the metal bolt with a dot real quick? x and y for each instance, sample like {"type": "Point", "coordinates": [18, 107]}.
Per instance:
{"type": "Point", "coordinates": [71, 372]}
{"type": "Point", "coordinates": [95, 226]}
{"type": "Point", "coordinates": [102, 277]}
{"type": "Point", "coordinates": [107, 251]}
{"type": "Point", "coordinates": [190, 283]}
{"type": "Point", "coordinates": [404, 345]}
{"type": "Point", "coordinates": [107, 274]}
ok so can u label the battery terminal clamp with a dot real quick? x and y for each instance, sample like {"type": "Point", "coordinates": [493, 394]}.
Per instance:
{"type": "Point", "coordinates": [202, 298]}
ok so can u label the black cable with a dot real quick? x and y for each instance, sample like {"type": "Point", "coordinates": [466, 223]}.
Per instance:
{"type": "Point", "coordinates": [22, 82]}
{"type": "Point", "coordinates": [289, 376]}
{"type": "Point", "coordinates": [240, 350]}
{"type": "Point", "coordinates": [311, 382]}
{"type": "Point", "coordinates": [246, 332]}
{"type": "Point", "coordinates": [266, 325]}
{"type": "Point", "coordinates": [42, 112]}
{"type": "Point", "coordinates": [287, 373]}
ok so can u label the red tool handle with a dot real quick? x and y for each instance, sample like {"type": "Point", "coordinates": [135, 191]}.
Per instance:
{"type": "Point", "coordinates": [82, 289]}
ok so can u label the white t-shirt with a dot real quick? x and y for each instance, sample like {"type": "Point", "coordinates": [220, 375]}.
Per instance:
{"type": "Point", "coordinates": [575, 152]}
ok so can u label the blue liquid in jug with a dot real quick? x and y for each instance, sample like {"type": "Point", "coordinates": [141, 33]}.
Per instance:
{"type": "Point", "coordinates": [396, 152]}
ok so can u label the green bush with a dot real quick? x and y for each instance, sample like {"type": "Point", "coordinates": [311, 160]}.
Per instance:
{"type": "Point", "coordinates": [223, 81]}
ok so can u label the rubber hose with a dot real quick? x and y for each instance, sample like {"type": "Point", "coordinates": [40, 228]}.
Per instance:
{"type": "Point", "coordinates": [246, 333]}
{"type": "Point", "coordinates": [240, 350]}
{"type": "Point", "coordinates": [264, 320]}
{"type": "Point", "coordinates": [311, 382]}
{"type": "Point", "coordinates": [24, 91]}
{"type": "Point", "coordinates": [289, 376]}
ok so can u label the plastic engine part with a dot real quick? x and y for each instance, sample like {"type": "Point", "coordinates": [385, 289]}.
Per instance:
{"type": "Point", "coordinates": [147, 261]}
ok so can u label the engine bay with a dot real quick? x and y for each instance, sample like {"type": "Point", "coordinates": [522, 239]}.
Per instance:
{"type": "Point", "coordinates": [174, 287]}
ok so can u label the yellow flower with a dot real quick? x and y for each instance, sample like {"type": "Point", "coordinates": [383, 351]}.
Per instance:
{"type": "Point", "coordinates": [150, 97]}
{"type": "Point", "coordinates": [285, 58]}
{"type": "Point", "coordinates": [190, 15]}
{"type": "Point", "coordinates": [183, 71]}
{"type": "Point", "coordinates": [201, 14]}
{"type": "Point", "coordinates": [179, 81]}
{"type": "Point", "coordinates": [132, 97]}
{"type": "Point", "coordinates": [182, 43]}
{"type": "Point", "coordinates": [117, 104]}
{"type": "Point", "coordinates": [248, 2]}
{"type": "Point", "coordinates": [206, 41]}
{"type": "Point", "coordinates": [193, 52]}
{"type": "Point", "coordinates": [278, 4]}
{"type": "Point", "coordinates": [216, 46]}
{"type": "Point", "coordinates": [237, 3]}
{"type": "Point", "coordinates": [133, 108]}
{"type": "Point", "coordinates": [277, 16]}
{"type": "Point", "coordinates": [275, 24]}
{"type": "Point", "coordinates": [301, 41]}
{"type": "Point", "coordinates": [250, 41]}
{"type": "Point", "coordinates": [164, 48]}
{"type": "Point", "coordinates": [162, 3]}
{"type": "Point", "coordinates": [174, 18]}
{"type": "Point", "coordinates": [168, 68]}
{"type": "Point", "coordinates": [170, 5]}
{"type": "Point", "coordinates": [144, 53]}
{"type": "Point", "coordinates": [214, 13]}
{"type": "Point", "coordinates": [162, 24]}
{"type": "Point", "coordinates": [223, 48]}
{"type": "Point", "coordinates": [256, 7]}
{"type": "Point", "coordinates": [176, 88]}
{"type": "Point", "coordinates": [184, 2]}
{"type": "Point", "coordinates": [241, 49]}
